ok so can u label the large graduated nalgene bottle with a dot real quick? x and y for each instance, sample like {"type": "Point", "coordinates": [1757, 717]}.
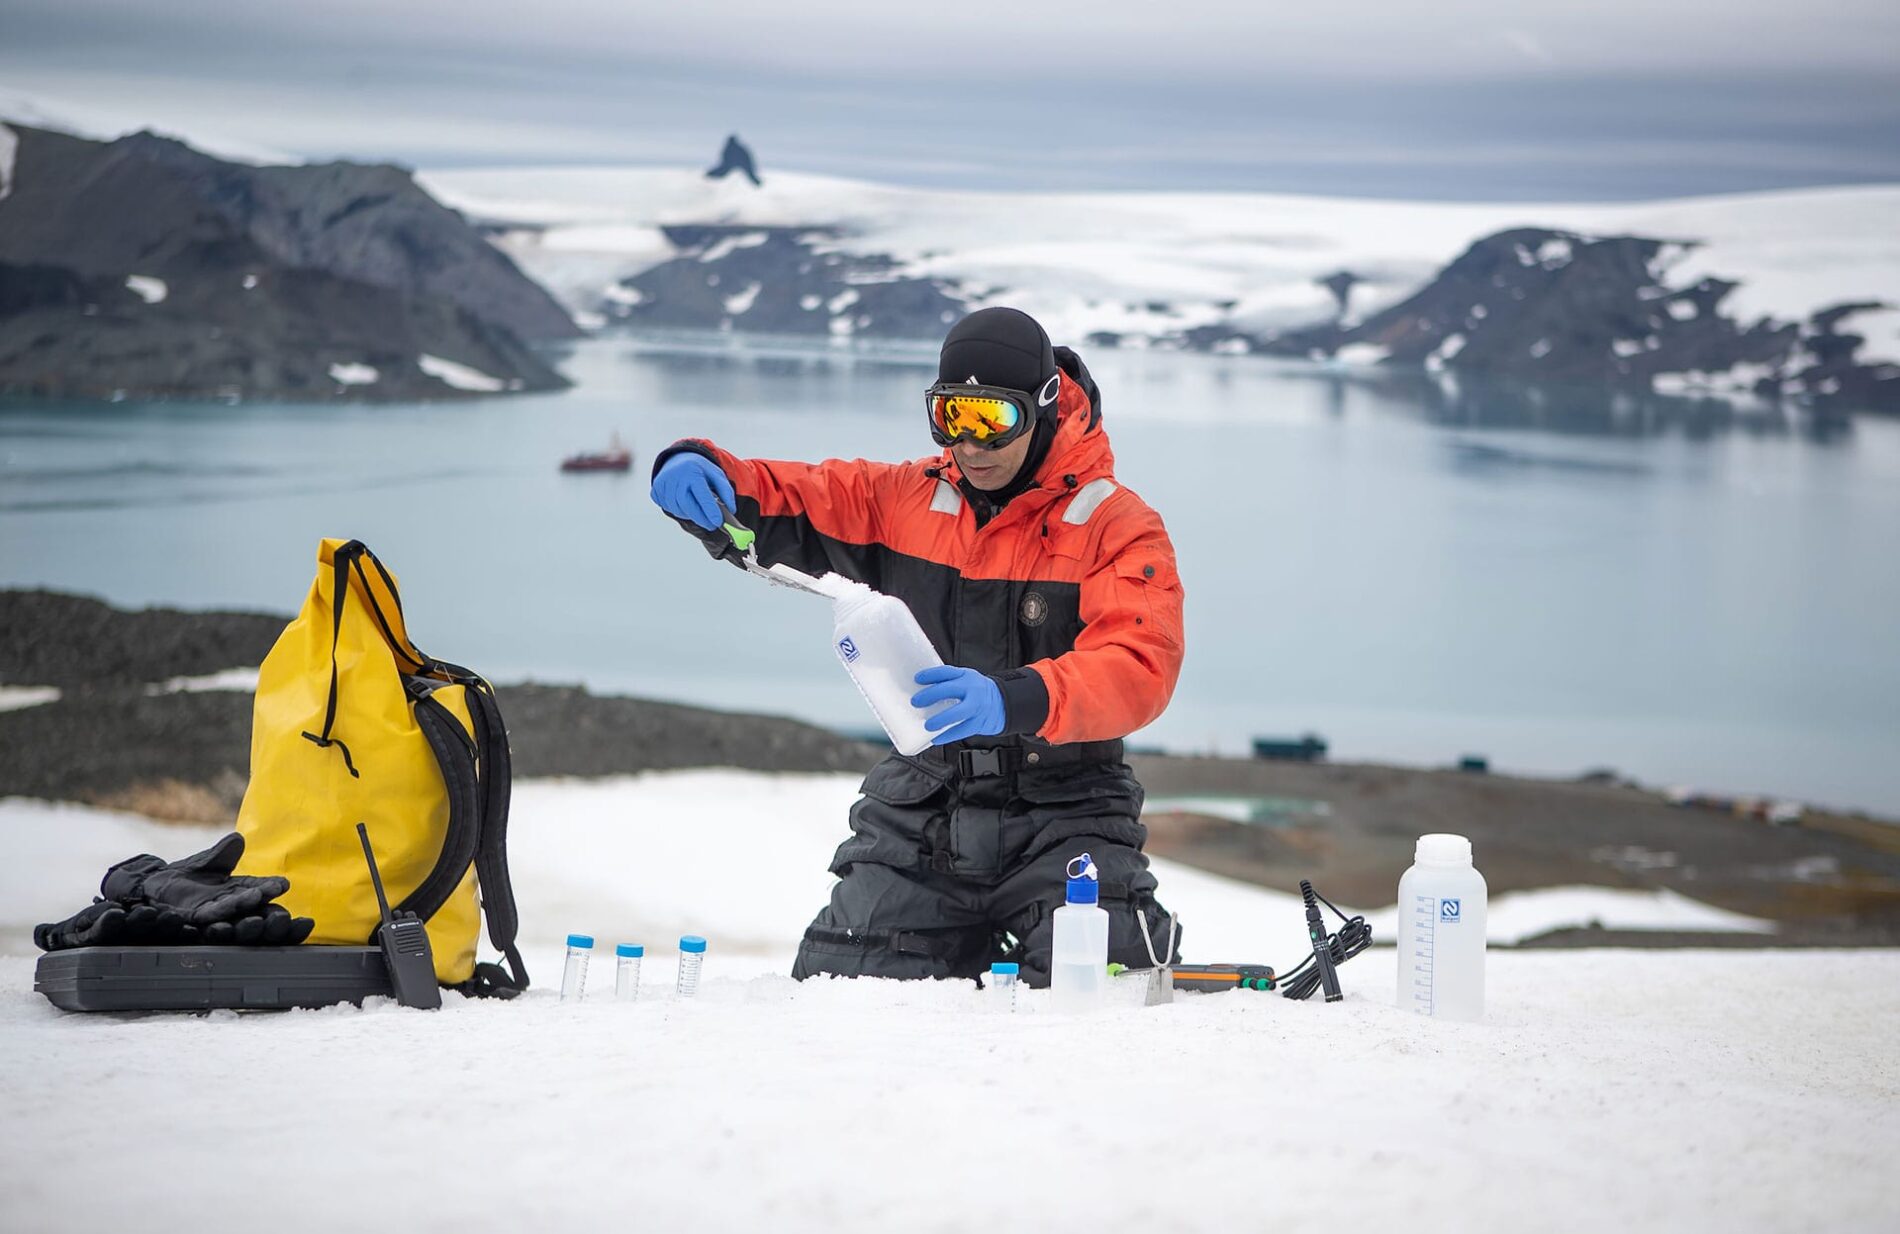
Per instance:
{"type": "Point", "coordinates": [1441, 931]}
{"type": "Point", "coordinates": [1078, 960]}
{"type": "Point", "coordinates": [883, 648]}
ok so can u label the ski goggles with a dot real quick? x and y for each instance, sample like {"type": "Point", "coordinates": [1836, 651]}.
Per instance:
{"type": "Point", "coordinates": [991, 416]}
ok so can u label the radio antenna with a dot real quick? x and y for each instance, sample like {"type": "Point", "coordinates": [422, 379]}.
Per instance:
{"type": "Point", "coordinates": [375, 875]}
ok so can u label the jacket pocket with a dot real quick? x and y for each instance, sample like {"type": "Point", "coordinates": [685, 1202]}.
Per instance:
{"type": "Point", "coordinates": [1147, 585]}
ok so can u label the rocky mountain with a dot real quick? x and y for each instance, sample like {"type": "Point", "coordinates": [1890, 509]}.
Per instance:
{"type": "Point", "coordinates": [781, 280]}
{"type": "Point", "coordinates": [144, 268]}
{"type": "Point", "coordinates": [1556, 306]}
{"type": "Point", "coordinates": [1529, 304]}
{"type": "Point", "coordinates": [1778, 295]}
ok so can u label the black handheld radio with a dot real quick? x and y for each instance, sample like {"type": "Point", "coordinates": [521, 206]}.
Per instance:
{"type": "Point", "coordinates": [405, 944]}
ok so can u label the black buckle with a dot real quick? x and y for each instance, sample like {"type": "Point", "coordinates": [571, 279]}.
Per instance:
{"type": "Point", "coordinates": [981, 762]}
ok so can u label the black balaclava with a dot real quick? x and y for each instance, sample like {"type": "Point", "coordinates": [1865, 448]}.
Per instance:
{"type": "Point", "coordinates": [1007, 347]}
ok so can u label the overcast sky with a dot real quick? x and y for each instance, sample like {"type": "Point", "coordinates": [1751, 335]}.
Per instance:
{"type": "Point", "coordinates": [1458, 99]}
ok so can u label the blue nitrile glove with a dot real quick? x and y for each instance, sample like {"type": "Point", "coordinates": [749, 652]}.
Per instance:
{"type": "Point", "coordinates": [977, 709]}
{"type": "Point", "coordinates": [691, 486]}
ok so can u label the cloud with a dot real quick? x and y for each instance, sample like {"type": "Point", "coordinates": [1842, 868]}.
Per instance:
{"type": "Point", "coordinates": [1527, 45]}
{"type": "Point", "coordinates": [1386, 96]}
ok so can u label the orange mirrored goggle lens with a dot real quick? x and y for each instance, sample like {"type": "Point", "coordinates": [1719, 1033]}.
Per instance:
{"type": "Point", "coordinates": [978, 417]}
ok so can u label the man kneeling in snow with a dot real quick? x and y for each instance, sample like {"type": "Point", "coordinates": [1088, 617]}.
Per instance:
{"type": "Point", "coordinates": [1050, 592]}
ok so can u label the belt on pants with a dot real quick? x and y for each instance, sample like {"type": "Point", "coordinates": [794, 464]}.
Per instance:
{"type": "Point", "coordinates": [1005, 760]}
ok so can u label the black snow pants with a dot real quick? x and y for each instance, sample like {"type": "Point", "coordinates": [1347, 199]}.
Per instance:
{"type": "Point", "coordinates": [959, 858]}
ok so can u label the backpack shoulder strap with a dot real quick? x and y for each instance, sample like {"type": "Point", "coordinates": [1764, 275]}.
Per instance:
{"type": "Point", "coordinates": [457, 754]}
{"type": "Point", "coordinates": [491, 853]}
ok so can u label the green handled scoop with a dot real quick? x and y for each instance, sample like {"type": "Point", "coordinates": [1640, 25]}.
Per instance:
{"type": "Point", "coordinates": [742, 536]}
{"type": "Point", "coordinates": [746, 541]}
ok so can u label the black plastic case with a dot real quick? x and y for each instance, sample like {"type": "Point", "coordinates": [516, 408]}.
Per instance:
{"type": "Point", "coordinates": [200, 978]}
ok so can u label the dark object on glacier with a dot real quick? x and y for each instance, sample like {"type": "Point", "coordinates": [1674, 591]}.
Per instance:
{"type": "Point", "coordinates": [1341, 283]}
{"type": "Point", "coordinates": [736, 157]}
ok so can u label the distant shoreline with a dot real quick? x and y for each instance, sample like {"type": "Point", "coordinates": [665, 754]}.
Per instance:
{"type": "Point", "coordinates": [149, 718]}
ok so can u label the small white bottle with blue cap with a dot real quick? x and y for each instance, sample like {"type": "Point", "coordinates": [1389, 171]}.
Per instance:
{"type": "Point", "coordinates": [1078, 960]}
{"type": "Point", "coordinates": [692, 955]}
{"type": "Point", "coordinates": [574, 976]}
{"type": "Point", "coordinates": [1004, 976]}
{"type": "Point", "coordinates": [627, 971]}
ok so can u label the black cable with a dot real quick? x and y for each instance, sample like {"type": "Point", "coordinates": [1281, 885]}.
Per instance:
{"type": "Point", "coordinates": [1322, 951]}
{"type": "Point", "coordinates": [1352, 937]}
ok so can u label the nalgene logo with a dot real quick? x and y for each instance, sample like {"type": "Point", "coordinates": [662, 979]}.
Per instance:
{"type": "Point", "coordinates": [1448, 910]}
{"type": "Point", "coordinates": [847, 649]}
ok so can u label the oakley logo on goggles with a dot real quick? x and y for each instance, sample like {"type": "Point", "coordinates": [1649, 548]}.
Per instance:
{"type": "Point", "coordinates": [991, 416]}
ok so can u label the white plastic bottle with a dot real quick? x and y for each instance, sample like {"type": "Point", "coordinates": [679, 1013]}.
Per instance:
{"type": "Point", "coordinates": [883, 648]}
{"type": "Point", "coordinates": [574, 975]}
{"type": "Point", "coordinates": [1078, 961]}
{"type": "Point", "coordinates": [1441, 931]}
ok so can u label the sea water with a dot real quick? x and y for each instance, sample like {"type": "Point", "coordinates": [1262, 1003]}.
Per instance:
{"type": "Point", "coordinates": [1684, 592]}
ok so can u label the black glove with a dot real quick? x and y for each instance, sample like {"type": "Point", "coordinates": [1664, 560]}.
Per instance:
{"type": "Point", "coordinates": [273, 927]}
{"type": "Point", "coordinates": [102, 921]}
{"type": "Point", "coordinates": [200, 888]}
{"type": "Point", "coordinates": [149, 903]}
{"type": "Point", "coordinates": [108, 922]}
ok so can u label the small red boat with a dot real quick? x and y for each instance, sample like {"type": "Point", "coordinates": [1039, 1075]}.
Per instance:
{"type": "Point", "coordinates": [615, 458]}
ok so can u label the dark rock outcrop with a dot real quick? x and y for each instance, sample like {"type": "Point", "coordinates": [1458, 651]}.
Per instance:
{"type": "Point", "coordinates": [782, 280]}
{"type": "Point", "coordinates": [51, 638]}
{"type": "Point", "coordinates": [735, 156]}
{"type": "Point", "coordinates": [144, 268]}
{"type": "Point", "coordinates": [1551, 306]}
{"type": "Point", "coordinates": [1341, 283]}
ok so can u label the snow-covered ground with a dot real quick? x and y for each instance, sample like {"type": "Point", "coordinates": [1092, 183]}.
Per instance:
{"type": "Point", "coordinates": [1152, 263]}
{"type": "Point", "coordinates": [460, 376]}
{"type": "Point", "coordinates": [9, 147]}
{"type": "Point", "coordinates": [1605, 1090]}
{"type": "Point", "coordinates": [12, 698]}
{"type": "Point", "coordinates": [244, 679]}
{"type": "Point", "coordinates": [1629, 1090]}
{"type": "Point", "coordinates": [741, 858]}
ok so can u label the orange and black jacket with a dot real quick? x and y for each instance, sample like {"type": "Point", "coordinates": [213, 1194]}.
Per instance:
{"type": "Point", "coordinates": [1067, 595]}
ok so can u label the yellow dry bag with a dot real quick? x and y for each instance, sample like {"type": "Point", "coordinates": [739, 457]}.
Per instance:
{"type": "Point", "coordinates": [353, 724]}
